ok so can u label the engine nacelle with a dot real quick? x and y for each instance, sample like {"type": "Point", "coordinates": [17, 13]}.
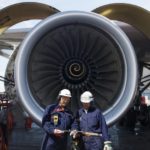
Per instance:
{"type": "Point", "coordinates": [79, 51]}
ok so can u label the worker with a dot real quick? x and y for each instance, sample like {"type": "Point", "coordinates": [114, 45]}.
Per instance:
{"type": "Point", "coordinates": [56, 120]}
{"type": "Point", "coordinates": [91, 122]}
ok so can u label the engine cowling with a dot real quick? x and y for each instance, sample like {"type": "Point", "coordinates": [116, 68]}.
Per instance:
{"type": "Point", "coordinates": [79, 51]}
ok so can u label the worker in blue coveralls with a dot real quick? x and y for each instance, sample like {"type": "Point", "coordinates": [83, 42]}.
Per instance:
{"type": "Point", "coordinates": [56, 119]}
{"type": "Point", "coordinates": [92, 124]}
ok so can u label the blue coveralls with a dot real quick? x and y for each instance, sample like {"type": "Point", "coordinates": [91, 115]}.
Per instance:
{"type": "Point", "coordinates": [92, 121]}
{"type": "Point", "coordinates": [54, 118]}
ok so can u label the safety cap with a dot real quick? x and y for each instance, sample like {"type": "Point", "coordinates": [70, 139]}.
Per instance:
{"type": "Point", "coordinates": [86, 97]}
{"type": "Point", "coordinates": [65, 92]}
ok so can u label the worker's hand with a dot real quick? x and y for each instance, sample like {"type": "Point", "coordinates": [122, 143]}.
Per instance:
{"type": "Point", "coordinates": [73, 133]}
{"type": "Point", "coordinates": [107, 145]}
{"type": "Point", "coordinates": [57, 131]}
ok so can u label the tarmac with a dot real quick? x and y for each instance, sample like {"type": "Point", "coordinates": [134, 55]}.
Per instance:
{"type": "Point", "coordinates": [122, 138]}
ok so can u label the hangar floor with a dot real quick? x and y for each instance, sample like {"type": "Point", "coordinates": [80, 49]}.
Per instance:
{"type": "Point", "coordinates": [122, 138]}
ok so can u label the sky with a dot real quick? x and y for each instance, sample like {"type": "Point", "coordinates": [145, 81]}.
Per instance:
{"type": "Point", "coordinates": [78, 4]}
{"type": "Point", "coordinates": [64, 5]}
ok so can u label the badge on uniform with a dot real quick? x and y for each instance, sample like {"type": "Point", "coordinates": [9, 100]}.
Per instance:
{"type": "Point", "coordinates": [55, 119]}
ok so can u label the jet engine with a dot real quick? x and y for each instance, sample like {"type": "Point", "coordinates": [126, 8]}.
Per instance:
{"type": "Point", "coordinates": [82, 51]}
{"type": "Point", "coordinates": [78, 51]}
